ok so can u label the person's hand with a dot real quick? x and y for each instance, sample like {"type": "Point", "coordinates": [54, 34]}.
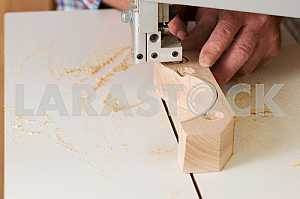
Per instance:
{"type": "Point", "coordinates": [230, 42]}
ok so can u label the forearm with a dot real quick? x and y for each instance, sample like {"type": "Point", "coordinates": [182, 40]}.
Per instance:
{"type": "Point", "coordinates": [118, 4]}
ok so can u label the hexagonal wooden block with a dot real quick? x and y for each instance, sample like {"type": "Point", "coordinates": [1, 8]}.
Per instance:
{"type": "Point", "coordinates": [205, 141]}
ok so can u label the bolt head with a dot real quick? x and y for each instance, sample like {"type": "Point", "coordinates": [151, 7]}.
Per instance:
{"type": "Point", "coordinates": [126, 16]}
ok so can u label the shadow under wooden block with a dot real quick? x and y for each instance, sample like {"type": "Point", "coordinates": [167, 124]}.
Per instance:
{"type": "Point", "coordinates": [205, 140]}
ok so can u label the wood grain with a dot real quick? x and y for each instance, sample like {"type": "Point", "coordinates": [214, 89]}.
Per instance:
{"type": "Point", "coordinates": [205, 142]}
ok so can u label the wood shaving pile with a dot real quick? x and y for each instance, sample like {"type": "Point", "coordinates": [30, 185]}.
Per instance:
{"type": "Point", "coordinates": [31, 126]}
{"type": "Point", "coordinates": [90, 69]}
{"type": "Point", "coordinates": [112, 103]}
{"type": "Point", "coordinates": [123, 66]}
{"type": "Point", "coordinates": [61, 141]}
{"type": "Point", "coordinates": [86, 72]}
{"type": "Point", "coordinates": [95, 69]}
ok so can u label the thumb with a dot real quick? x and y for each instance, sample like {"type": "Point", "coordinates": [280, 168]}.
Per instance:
{"type": "Point", "coordinates": [178, 28]}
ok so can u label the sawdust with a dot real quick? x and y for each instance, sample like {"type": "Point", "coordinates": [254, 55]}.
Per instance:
{"type": "Point", "coordinates": [41, 125]}
{"type": "Point", "coordinates": [90, 69]}
{"type": "Point", "coordinates": [26, 125]}
{"type": "Point", "coordinates": [95, 69]}
{"type": "Point", "coordinates": [296, 163]}
{"type": "Point", "coordinates": [123, 66]}
{"type": "Point", "coordinates": [112, 103]}
{"type": "Point", "coordinates": [161, 151]}
{"type": "Point", "coordinates": [86, 72]}
{"type": "Point", "coordinates": [117, 62]}
{"type": "Point", "coordinates": [30, 126]}
{"type": "Point", "coordinates": [61, 141]}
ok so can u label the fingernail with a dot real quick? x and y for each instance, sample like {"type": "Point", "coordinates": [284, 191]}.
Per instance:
{"type": "Point", "coordinates": [205, 61]}
{"type": "Point", "coordinates": [181, 34]}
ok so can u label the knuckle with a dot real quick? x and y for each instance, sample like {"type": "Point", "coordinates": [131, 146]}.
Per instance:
{"type": "Point", "coordinates": [258, 21]}
{"type": "Point", "coordinates": [245, 49]}
{"type": "Point", "coordinates": [229, 26]}
{"type": "Point", "coordinates": [229, 21]}
{"type": "Point", "coordinates": [263, 19]}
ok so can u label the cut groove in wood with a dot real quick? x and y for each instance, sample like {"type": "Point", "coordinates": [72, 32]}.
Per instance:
{"type": "Point", "coordinates": [170, 120]}
{"type": "Point", "coordinates": [176, 136]}
{"type": "Point", "coordinates": [205, 141]}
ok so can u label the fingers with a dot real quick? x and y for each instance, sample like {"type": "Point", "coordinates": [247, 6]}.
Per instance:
{"type": "Point", "coordinates": [205, 22]}
{"type": "Point", "coordinates": [236, 56]}
{"type": "Point", "coordinates": [178, 28]}
{"type": "Point", "coordinates": [198, 35]}
{"type": "Point", "coordinates": [268, 48]}
{"type": "Point", "coordinates": [255, 60]}
{"type": "Point", "coordinates": [274, 40]}
{"type": "Point", "coordinates": [222, 36]}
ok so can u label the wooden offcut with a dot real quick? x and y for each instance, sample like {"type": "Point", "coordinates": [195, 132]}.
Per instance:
{"type": "Point", "coordinates": [205, 141]}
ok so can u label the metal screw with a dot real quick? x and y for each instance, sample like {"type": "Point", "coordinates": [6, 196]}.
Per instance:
{"type": "Point", "coordinates": [154, 55]}
{"type": "Point", "coordinates": [154, 38]}
{"type": "Point", "coordinates": [126, 16]}
{"type": "Point", "coordinates": [175, 54]}
{"type": "Point", "coordinates": [139, 56]}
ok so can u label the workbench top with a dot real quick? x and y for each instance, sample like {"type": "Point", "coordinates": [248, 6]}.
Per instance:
{"type": "Point", "coordinates": [130, 153]}
{"type": "Point", "coordinates": [65, 156]}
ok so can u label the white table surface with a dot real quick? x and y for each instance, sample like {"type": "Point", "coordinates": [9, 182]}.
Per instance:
{"type": "Point", "coordinates": [57, 156]}
{"type": "Point", "coordinates": [131, 157]}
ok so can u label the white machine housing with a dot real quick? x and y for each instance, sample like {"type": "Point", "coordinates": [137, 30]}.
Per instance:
{"type": "Point", "coordinates": [148, 18]}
